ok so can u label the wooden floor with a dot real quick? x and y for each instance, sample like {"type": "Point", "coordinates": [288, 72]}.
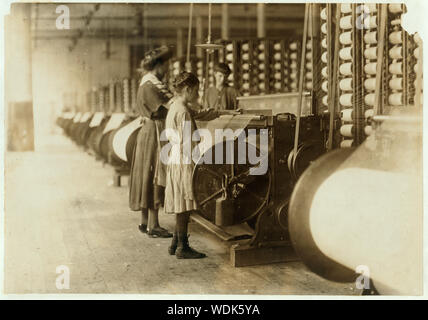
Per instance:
{"type": "Point", "coordinates": [62, 209]}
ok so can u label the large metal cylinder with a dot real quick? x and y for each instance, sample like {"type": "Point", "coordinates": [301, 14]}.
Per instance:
{"type": "Point", "coordinates": [361, 210]}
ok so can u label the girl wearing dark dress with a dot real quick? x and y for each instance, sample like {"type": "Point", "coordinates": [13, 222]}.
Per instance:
{"type": "Point", "coordinates": [148, 173]}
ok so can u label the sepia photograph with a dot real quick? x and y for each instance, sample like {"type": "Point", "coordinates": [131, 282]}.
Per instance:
{"type": "Point", "coordinates": [213, 149]}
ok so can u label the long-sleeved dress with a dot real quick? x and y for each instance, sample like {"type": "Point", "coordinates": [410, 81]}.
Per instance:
{"type": "Point", "coordinates": [147, 178]}
{"type": "Point", "coordinates": [226, 99]}
{"type": "Point", "coordinates": [179, 192]}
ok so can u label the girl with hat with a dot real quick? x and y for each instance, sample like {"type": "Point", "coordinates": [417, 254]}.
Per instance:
{"type": "Point", "coordinates": [221, 97]}
{"type": "Point", "coordinates": [180, 128]}
{"type": "Point", "coordinates": [147, 178]}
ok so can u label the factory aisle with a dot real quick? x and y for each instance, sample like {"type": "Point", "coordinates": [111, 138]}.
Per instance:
{"type": "Point", "coordinates": [62, 210]}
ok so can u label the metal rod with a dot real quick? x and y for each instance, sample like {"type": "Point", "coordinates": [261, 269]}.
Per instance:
{"type": "Point", "coordinates": [189, 34]}
{"type": "Point", "coordinates": [302, 65]}
{"type": "Point", "coordinates": [379, 65]}
{"type": "Point", "coordinates": [209, 23]}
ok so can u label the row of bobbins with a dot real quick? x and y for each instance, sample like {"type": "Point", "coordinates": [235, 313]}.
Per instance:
{"type": "Point", "coordinates": [230, 48]}
{"type": "Point", "coordinates": [293, 67]}
{"type": "Point", "coordinates": [417, 53]}
{"type": "Point", "coordinates": [396, 57]}
{"type": "Point", "coordinates": [276, 66]}
{"type": "Point", "coordinates": [324, 61]}
{"type": "Point", "coordinates": [245, 74]}
{"type": "Point", "coordinates": [261, 65]}
{"type": "Point", "coordinates": [126, 95]}
{"type": "Point", "coordinates": [370, 64]}
{"type": "Point", "coordinates": [308, 65]}
{"type": "Point", "coordinates": [345, 76]}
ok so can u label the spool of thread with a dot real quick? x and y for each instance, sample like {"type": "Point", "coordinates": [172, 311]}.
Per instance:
{"type": "Point", "coordinates": [261, 76]}
{"type": "Point", "coordinates": [261, 56]}
{"type": "Point", "coordinates": [368, 130]}
{"type": "Point", "coordinates": [246, 76]}
{"type": "Point", "coordinates": [395, 8]}
{"type": "Point", "coordinates": [229, 57]}
{"type": "Point", "coordinates": [395, 52]}
{"type": "Point", "coordinates": [346, 22]}
{"type": "Point", "coordinates": [346, 143]}
{"type": "Point", "coordinates": [347, 130]}
{"type": "Point", "coordinates": [246, 66]}
{"type": "Point", "coordinates": [396, 68]}
{"type": "Point", "coordinates": [176, 64]}
{"type": "Point", "coordinates": [369, 99]}
{"type": "Point", "coordinates": [396, 83]}
{"type": "Point", "coordinates": [277, 46]}
{"type": "Point", "coordinates": [293, 46]}
{"type": "Point", "coordinates": [229, 47]}
{"type": "Point", "coordinates": [345, 53]}
{"type": "Point", "coordinates": [199, 72]}
{"type": "Point", "coordinates": [277, 56]}
{"type": "Point", "coordinates": [396, 99]}
{"type": "Point", "coordinates": [261, 46]}
{"type": "Point", "coordinates": [261, 86]}
{"type": "Point", "coordinates": [246, 86]}
{"type": "Point", "coordinates": [308, 75]}
{"type": "Point", "coordinates": [293, 65]}
{"type": "Point", "coordinates": [345, 84]}
{"type": "Point", "coordinates": [370, 68]}
{"type": "Point", "coordinates": [230, 66]}
{"type": "Point", "coordinates": [324, 28]}
{"type": "Point", "coordinates": [277, 66]}
{"type": "Point", "coordinates": [199, 64]}
{"type": "Point", "coordinates": [324, 72]}
{"type": "Point", "coordinates": [368, 113]}
{"type": "Point", "coordinates": [245, 56]}
{"type": "Point", "coordinates": [324, 86]}
{"type": "Point", "coordinates": [285, 71]}
{"type": "Point", "coordinates": [372, 22]}
{"type": "Point", "coordinates": [346, 69]}
{"type": "Point", "coordinates": [293, 56]}
{"type": "Point", "coordinates": [370, 53]}
{"type": "Point", "coordinates": [347, 115]}
{"type": "Point", "coordinates": [309, 65]}
{"type": "Point", "coordinates": [309, 45]}
{"type": "Point", "coordinates": [309, 55]}
{"type": "Point", "coordinates": [293, 85]}
{"type": "Point", "coordinates": [245, 47]}
{"type": "Point", "coordinates": [346, 100]}
{"type": "Point", "coordinates": [293, 75]}
{"type": "Point", "coordinates": [395, 37]}
{"type": "Point", "coordinates": [345, 38]}
{"type": "Point", "coordinates": [416, 53]}
{"type": "Point", "coordinates": [346, 8]}
{"type": "Point", "coordinates": [325, 100]}
{"type": "Point", "coordinates": [370, 37]}
{"type": "Point", "coordinates": [176, 72]}
{"type": "Point", "coordinates": [277, 86]}
{"type": "Point", "coordinates": [309, 85]}
{"type": "Point", "coordinates": [277, 75]}
{"type": "Point", "coordinates": [324, 43]}
{"type": "Point", "coordinates": [416, 67]}
{"type": "Point", "coordinates": [261, 66]}
{"type": "Point", "coordinates": [370, 84]}
{"type": "Point", "coordinates": [211, 64]}
{"type": "Point", "coordinates": [230, 77]}
{"type": "Point", "coordinates": [323, 14]}
{"type": "Point", "coordinates": [324, 57]}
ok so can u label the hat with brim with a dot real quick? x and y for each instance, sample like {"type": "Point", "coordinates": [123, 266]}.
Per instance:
{"type": "Point", "coordinates": [223, 68]}
{"type": "Point", "coordinates": [155, 56]}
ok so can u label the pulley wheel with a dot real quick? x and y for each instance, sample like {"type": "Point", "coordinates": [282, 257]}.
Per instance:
{"type": "Point", "coordinates": [211, 181]}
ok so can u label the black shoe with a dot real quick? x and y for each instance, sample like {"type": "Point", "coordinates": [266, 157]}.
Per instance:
{"type": "Point", "coordinates": [173, 246]}
{"type": "Point", "coordinates": [142, 228]}
{"type": "Point", "coordinates": [159, 233]}
{"type": "Point", "coordinates": [184, 251]}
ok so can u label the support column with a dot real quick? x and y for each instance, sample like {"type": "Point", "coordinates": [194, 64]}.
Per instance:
{"type": "Point", "coordinates": [18, 79]}
{"type": "Point", "coordinates": [199, 35]}
{"type": "Point", "coordinates": [225, 21]}
{"type": "Point", "coordinates": [179, 42]}
{"type": "Point", "coordinates": [261, 20]}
